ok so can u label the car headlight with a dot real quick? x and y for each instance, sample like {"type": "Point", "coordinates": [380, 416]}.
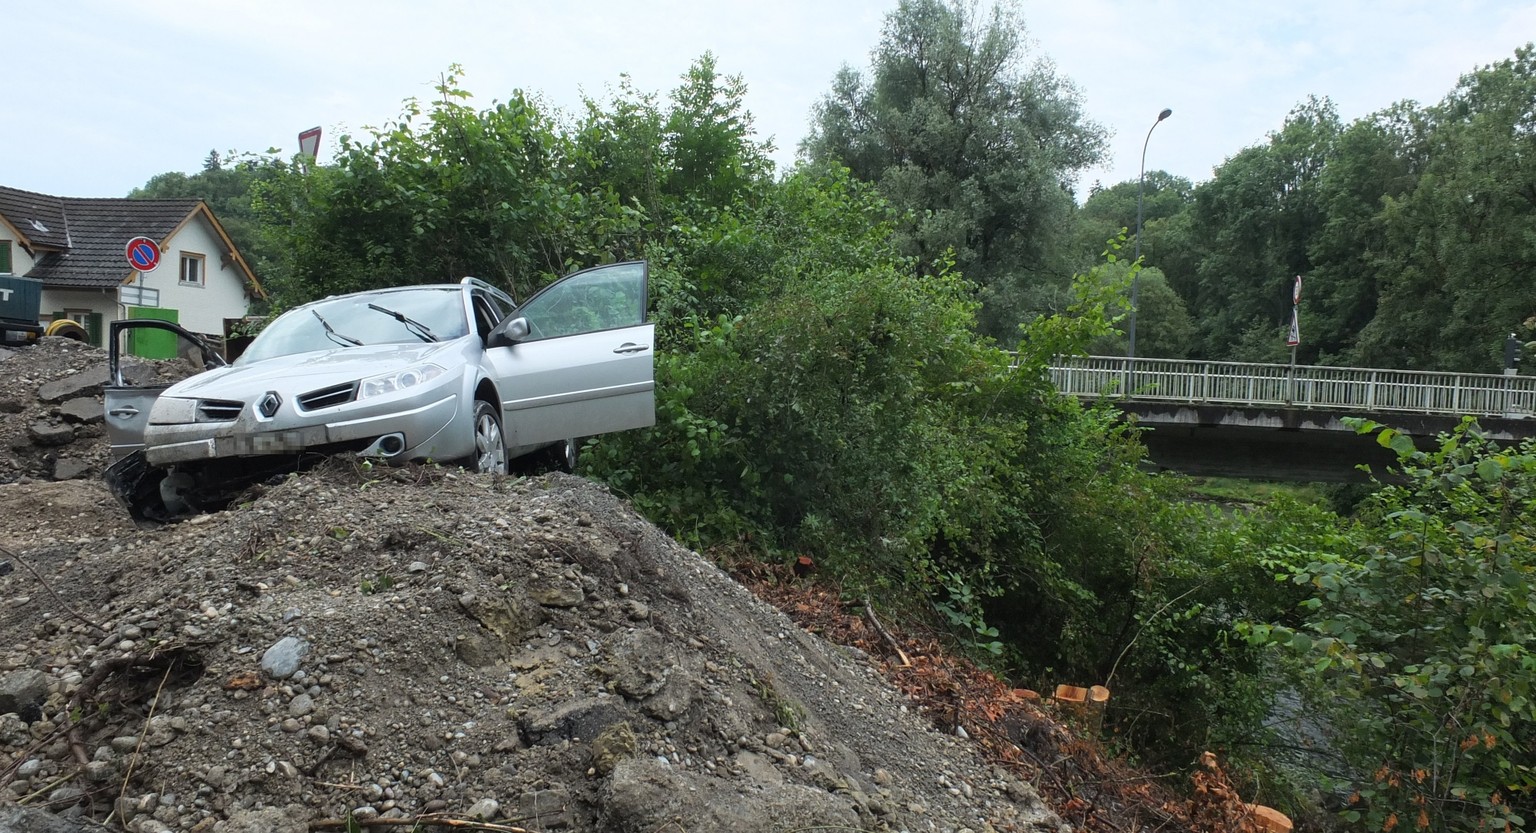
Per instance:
{"type": "Point", "coordinates": [398, 380]}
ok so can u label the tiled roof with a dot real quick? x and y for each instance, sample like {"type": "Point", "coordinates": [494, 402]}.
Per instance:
{"type": "Point", "coordinates": [79, 242]}
{"type": "Point", "coordinates": [38, 217]}
{"type": "Point", "coordinates": [98, 231]}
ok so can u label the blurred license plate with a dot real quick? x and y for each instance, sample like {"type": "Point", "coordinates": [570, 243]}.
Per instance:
{"type": "Point", "coordinates": [271, 442]}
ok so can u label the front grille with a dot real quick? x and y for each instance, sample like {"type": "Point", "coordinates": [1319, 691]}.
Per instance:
{"type": "Point", "coordinates": [326, 397]}
{"type": "Point", "coordinates": [218, 410]}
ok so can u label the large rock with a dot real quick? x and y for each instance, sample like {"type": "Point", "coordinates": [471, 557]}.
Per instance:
{"type": "Point", "coordinates": [22, 691]}
{"type": "Point", "coordinates": [82, 409]}
{"type": "Point", "coordinates": [85, 382]}
{"type": "Point", "coordinates": [26, 820]}
{"type": "Point", "coordinates": [648, 794]}
{"type": "Point", "coordinates": [283, 658]}
{"type": "Point", "coordinates": [50, 433]}
{"type": "Point", "coordinates": [582, 719]}
{"type": "Point", "coordinates": [290, 819]}
{"type": "Point", "coordinates": [66, 468]}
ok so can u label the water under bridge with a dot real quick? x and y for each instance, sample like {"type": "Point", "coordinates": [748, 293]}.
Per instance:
{"type": "Point", "coordinates": [1286, 422]}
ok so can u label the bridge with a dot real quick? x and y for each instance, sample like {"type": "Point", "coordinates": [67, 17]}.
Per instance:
{"type": "Point", "coordinates": [1284, 422]}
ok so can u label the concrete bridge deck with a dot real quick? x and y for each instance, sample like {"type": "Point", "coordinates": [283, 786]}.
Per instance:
{"type": "Point", "coordinates": [1279, 422]}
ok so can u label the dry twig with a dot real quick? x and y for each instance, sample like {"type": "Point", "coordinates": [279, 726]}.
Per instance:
{"type": "Point", "coordinates": [869, 610]}
{"type": "Point", "coordinates": [46, 586]}
{"type": "Point", "coordinates": [430, 820]}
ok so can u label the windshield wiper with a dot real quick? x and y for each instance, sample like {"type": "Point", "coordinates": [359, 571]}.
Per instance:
{"type": "Point", "coordinates": [335, 336]}
{"type": "Point", "coordinates": [417, 328]}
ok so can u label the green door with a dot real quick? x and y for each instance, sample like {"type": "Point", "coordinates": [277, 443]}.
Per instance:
{"type": "Point", "coordinates": [152, 343]}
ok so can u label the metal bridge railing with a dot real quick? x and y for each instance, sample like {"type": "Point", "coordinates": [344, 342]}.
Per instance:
{"type": "Point", "coordinates": [1302, 386]}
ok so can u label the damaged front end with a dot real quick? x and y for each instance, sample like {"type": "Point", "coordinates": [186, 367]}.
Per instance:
{"type": "Point", "coordinates": [155, 495]}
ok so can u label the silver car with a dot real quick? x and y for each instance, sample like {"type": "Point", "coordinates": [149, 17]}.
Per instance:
{"type": "Point", "coordinates": [451, 372]}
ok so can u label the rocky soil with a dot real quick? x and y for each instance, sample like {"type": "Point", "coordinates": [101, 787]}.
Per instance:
{"type": "Point", "coordinates": [388, 644]}
{"type": "Point", "coordinates": [50, 408]}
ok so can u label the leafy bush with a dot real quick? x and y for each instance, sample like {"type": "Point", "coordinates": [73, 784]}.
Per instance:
{"type": "Point", "coordinates": [1422, 621]}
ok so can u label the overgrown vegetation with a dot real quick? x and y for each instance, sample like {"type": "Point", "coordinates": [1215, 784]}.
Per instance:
{"type": "Point", "coordinates": [852, 356]}
{"type": "Point", "coordinates": [1419, 625]}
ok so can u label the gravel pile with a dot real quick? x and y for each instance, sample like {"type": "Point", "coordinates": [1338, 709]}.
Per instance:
{"type": "Point", "coordinates": [387, 643]}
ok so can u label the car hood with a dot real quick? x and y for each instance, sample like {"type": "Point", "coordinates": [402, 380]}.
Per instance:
{"type": "Point", "coordinates": [307, 371]}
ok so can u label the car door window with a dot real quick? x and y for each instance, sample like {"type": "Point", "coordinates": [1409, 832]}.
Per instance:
{"type": "Point", "coordinates": [605, 298]}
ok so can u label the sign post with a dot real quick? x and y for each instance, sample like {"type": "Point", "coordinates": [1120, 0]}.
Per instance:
{"type": "Point", "coordinates": [1293, 339]}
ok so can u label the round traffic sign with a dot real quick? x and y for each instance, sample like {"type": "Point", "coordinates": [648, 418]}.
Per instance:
{"type": "Point", "coordinates": [143, 254]}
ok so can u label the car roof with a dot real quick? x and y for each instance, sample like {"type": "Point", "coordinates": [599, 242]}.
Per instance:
{"type": "Point", "coordinates": [463, 285]}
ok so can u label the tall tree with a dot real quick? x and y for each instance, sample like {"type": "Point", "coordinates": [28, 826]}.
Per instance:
{"type": "Point", "coordinates": [973, 143]}
{"type": "Point", "coordinates": [1252, 225]}
{"type": "Point", "coordinates": [1461, 247]}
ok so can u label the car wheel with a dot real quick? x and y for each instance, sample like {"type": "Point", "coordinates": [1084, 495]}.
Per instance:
{"type": "Point", "coordinates": [569, 451]}
{"type": "Point", "coordinates": [490, 448]}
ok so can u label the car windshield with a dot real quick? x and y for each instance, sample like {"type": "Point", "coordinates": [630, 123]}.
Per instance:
{"type": "Point", "coordinates": [350, 321]}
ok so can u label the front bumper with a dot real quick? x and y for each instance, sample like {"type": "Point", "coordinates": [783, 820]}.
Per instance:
{"type": "Point", "coordinates": [249, 437]}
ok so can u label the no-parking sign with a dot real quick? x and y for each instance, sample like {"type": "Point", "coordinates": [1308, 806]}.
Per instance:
{"type": "Point", "coordinates": [143, 254]}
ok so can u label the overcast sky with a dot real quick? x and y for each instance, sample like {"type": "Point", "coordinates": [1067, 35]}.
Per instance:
{"type": "Point", "coordinates": [104, 94]}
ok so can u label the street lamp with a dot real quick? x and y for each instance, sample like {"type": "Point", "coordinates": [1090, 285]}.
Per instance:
{"type": "Point", "coordinates": [1141, 177]}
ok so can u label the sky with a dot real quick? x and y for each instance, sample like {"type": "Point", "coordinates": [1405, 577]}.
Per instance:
{"type": "Point", "coordinates": [105, 94]}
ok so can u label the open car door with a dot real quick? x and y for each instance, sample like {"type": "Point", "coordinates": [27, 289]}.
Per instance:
{"type": "Point", "coordinates": [577, 359]}
{"type": "Point", "coordinates": [136, 379]}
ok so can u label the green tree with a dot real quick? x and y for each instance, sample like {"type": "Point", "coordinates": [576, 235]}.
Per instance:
{"type": "Point", "coordinates": [446, 191]}
{"type": "Point", "coordinates": [1111, 210]}
{"type": "Point", "coordinates": [974, 146]}
{"type": "Point", "coordinates": [1252, 226]}
{"type": "Point", "coordinates": [1371, 164]}
{"type": "Point", "coordinates": [1455, 267]}
{"type": "Point", "coordinates": [1164, 328]}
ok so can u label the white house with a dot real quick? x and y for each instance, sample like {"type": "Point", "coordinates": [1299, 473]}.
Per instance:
{"type": "Point", "coordinates": [77, 248]}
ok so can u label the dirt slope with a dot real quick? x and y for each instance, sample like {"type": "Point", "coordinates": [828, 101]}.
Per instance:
{"type": "Point", "coordinates": [390, 642]}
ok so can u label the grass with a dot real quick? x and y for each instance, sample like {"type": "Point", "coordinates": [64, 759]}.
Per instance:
{"type": "Point", "coordinates": [1236, 490]}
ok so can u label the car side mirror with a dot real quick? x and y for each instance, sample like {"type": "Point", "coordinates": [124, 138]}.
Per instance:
{"type": "Point", "coordinates": [508, 332]}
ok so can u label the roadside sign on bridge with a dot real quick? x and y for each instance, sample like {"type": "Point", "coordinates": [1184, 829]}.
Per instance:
{"type": "Point", "coordinates": [1293, 337]}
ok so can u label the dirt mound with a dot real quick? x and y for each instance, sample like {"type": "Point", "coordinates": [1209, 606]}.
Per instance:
{"type": "Point", "coordinates": [394, 642]}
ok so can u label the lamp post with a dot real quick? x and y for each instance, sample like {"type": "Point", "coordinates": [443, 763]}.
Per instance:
{"type": "Point", "coordinates": [1130, 353]}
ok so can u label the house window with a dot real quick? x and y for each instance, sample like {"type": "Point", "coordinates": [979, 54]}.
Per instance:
{"type": "Point", "coordinates": [192, 268]}
{"type": "Point", "coordinates": [5, 257]}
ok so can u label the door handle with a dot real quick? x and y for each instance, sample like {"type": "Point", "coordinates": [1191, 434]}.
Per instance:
{"type": "Point", "coordinates": [124, 411]}
{"type": "Point", "coordinates": [631, 348]}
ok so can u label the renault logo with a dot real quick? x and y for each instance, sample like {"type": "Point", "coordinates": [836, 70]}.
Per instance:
{"type": "Point", "coordinates": [269, 404]}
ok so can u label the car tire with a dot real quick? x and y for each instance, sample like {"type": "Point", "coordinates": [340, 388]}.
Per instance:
{"type": "Point", "coordinates": [490, 455]}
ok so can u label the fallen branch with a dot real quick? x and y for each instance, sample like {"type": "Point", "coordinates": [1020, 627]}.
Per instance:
{"type": "Point", "coordinates": [432, 820]}
{"type": "Point", "coordinates": [869, 610]}
{"type": "Point", "coordinates": [46, 586]}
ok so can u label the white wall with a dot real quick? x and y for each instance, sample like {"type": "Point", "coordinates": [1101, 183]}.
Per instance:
{"type": "Point", "coordinates": [21, 262]}
{"type": "Point", "coordinates": [202, 309]}
{"type": "Point", "coordinates": [103, 301]}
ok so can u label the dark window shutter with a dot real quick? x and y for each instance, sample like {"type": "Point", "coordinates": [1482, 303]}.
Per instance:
{"type": "Point", "coordinates": [93, 328]}
{"type": "Point", "coordinates": [5, 257]}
